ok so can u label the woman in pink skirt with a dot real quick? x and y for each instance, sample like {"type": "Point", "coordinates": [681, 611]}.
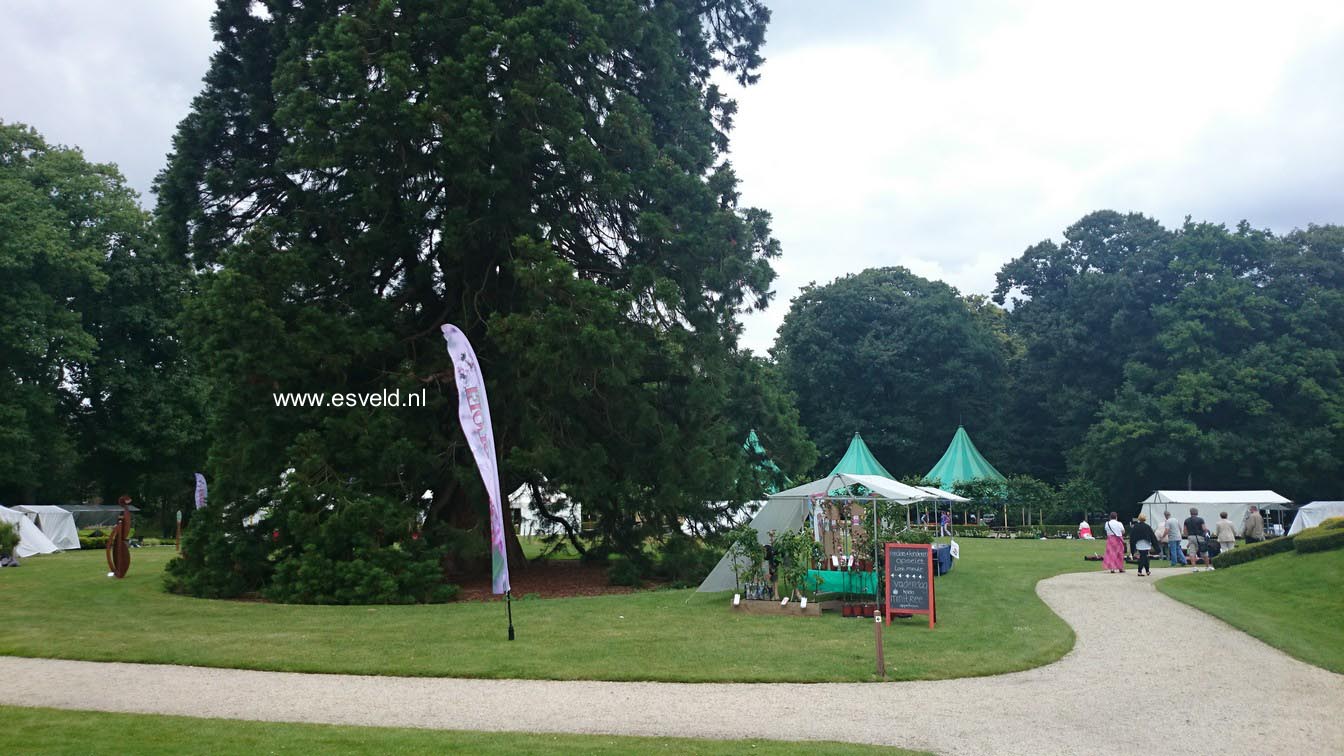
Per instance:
{"type": "Point", "coordinates": [1114, 561]}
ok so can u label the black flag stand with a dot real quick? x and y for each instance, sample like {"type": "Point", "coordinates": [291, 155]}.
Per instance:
{"type": "Point", "coordinates": [508, 601]}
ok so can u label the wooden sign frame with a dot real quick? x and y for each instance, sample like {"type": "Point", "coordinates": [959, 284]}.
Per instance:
{"type": "Point", "coordinates": [932, 611]}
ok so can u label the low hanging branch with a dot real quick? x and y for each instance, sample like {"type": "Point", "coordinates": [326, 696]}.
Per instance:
{"type": "Point", "coordinates": [538, 503]}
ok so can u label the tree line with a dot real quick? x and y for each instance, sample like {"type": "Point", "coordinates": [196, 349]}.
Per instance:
{"type": "Point", "coordinates": [1131, 356]}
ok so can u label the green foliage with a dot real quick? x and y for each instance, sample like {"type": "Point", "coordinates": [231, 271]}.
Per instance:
{"type": "Point", "coordinates": [881, 343]}
{"type": "Point", "coordinates": [625, 572]}
{"type": "Point", "coordinates": [220, 558]}
{"type": "Point", "coordinates": [312, 545]}
{"type": "Point", "coordinates": [1205, 354]}
{"type": "Point", "coordinates": [684, 562]}
{"type": "Point", "coordinates": [1076, 497]}
{"type": "Point", "coordinates": [794, 550]}
{"type": "Point", "coordinates": [94, 393]}
{"type": "Point", "coordinates": [747, 553]}
{"type": "Point", "coordinates": [1327, 536]}
{"type": "Point", "coordinates": [9, 537]}
{"type": "Point", "coordinates": [1252, 551]}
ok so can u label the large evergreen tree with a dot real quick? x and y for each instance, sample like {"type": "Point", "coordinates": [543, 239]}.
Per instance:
{"type": "Point", "coordinates": [897, 358]}
{"type": "Point", "coordinates": [550, 177]}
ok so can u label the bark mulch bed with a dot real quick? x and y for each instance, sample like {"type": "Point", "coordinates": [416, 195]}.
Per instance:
{"type": "Point", "coordinates": [548, 579]}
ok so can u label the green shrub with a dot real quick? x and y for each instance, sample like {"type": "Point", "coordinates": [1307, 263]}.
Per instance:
{"type": "Point", "coordinates": [1324, 537]}
{"type": "Point", "coordinates": [93, 542]}
{"type": "Point", "coordinates": [624, 572]}
{"type": "Point", "coordinates": [313, 546]}
{"type": "Point", "coordinates": [684, 562]}
{"type": "Point", "coordinates": [971, 531]}
{"type": "Point", "coordinates": [1253, 551]}
{"type": "Point", "coordinates": [9, 537]}
{"type": "Point", "coordinates": [373, 576]}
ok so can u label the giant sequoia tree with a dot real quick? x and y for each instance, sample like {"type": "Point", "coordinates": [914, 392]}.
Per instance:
{"type": "Point", "coordinates": [896, 357]}
{"type": "Point", "coordinates": [550, 177]}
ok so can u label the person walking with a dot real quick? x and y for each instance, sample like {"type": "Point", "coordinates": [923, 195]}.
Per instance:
{"type": "Point", "coordinates": [1173, 528]}
{"type": "Point", "coordinates": [945, 524]}
{"type": "Point", "coordinates": [1142, 539]}
{"type": "Point", "coordinates": [1253, 528]}
{"type": "Point", "coordinates": [1225, 534]}
{"type": "Point", "coordinates": [1114, 560]}
{"type": "Point", "coordinates": [1197, 539]}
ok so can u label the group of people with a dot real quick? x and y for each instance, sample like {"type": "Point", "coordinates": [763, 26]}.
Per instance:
{"type": "Point", "coordinates": [1198, 536]}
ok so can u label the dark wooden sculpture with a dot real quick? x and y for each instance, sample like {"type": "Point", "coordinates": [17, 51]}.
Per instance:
{"type": "Point", "coordinates": [118, 551]}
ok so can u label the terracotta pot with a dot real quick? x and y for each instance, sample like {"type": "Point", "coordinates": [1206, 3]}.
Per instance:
{"type": "Point", "coordinates": [847, 610]}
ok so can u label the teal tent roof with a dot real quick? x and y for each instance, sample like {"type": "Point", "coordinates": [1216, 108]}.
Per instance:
{"type": "Point", "coordinates": [764, 464]}
{"type": "Point", "coordinates": [962, 462]}
{"type": "Point", "coordinates": [859, 461]}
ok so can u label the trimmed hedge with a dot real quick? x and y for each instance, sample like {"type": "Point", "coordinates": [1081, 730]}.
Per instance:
{"type": "Point", "coordinates": [1251, 552]}
{"type": "Point", "coordinates": [1324, 537]}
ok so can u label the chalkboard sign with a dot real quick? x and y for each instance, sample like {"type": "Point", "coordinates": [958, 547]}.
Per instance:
{"type": "Point", "coordinates": [909, 573]}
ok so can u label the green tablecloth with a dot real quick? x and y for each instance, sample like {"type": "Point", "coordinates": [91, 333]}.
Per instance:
{"type": "Point", "coordinates": [835, 581]}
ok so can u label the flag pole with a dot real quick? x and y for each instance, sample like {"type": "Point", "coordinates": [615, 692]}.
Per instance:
{"type": "Point", "coordinates": [508, 601]}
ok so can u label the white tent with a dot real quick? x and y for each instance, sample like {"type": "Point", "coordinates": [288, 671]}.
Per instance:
{"type": "Point", "coordinates": [786, 510]}
{"type": "Point", "coordinates": [1209, 503]}
{"type": "Point", "coordinates": [31, 539]}
{"type": "Point", "coordinates": [529, 523]}
{"type": "Point", "coordinates": [941, 495]}
{"type": "Point", "coordinates": [56, 523]}
{"type": "Point", "coordinates": [1313, 514]}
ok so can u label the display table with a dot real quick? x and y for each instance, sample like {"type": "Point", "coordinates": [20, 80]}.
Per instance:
{"type": "Point", "coordinates": [845, 581]}
{"type": "Point", "coordinates": [942, 558]}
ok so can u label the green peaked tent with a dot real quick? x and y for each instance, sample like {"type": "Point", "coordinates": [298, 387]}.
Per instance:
{"type": "Point", "coordinates": [766, 466]}
{"type": "Point", "coordinates": [859, 461]}
{"type": "Point", "coordinates": [962, 462]}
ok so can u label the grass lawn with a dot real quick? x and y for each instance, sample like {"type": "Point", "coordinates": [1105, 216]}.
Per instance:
{"type": "Point", "coordinates": [990, 622]}
{"type": "Point", "coordinates": [52, 731]}
{"type": "Point", "coordinates": [533, 547]}
{"type": "Point", "coordinates": [1294, 602]}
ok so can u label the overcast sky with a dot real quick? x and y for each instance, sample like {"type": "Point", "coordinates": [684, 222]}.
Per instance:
{"type": "Point", "coordinates": [945, 137]}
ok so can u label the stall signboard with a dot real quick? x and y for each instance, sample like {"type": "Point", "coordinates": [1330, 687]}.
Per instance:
{"type": "Point", "coordinates": [909, 572]}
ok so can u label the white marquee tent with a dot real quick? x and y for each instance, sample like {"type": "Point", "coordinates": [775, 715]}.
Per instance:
{"type": "Point", "coordinates": [1210, 503]}
{"type": "Point", "coordinates": [31, 539]}
{"type": "Point", "coordinates": [786, 510]}
{"type": "Point", "coordinates": [57, 523]}
{"type": "Point", "coordinates": [1313, 514]}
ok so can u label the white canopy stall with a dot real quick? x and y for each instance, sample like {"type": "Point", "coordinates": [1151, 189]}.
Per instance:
{"type": "Point", "coordinates": [1315, 513]}
{"type": "Point", "coordinates": [57, 523]}
{"type": "Point", "coordinates": [788, 509]}
{"type": "Point", "coordinates": [1237, 504]}
{"type": "Point", "coordinates": [31, 539]}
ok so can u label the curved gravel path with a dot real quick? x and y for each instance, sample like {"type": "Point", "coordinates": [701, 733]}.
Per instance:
{"type": "Point", "coordinates": [1253, 699]}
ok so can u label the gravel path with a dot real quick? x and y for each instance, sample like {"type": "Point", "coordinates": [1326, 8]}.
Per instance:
{"type": "Point", "coordinates": [1253, 699]}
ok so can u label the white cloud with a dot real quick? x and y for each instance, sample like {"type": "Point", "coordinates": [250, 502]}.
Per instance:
{"type": "Point", "coordinates": [950, 146]}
